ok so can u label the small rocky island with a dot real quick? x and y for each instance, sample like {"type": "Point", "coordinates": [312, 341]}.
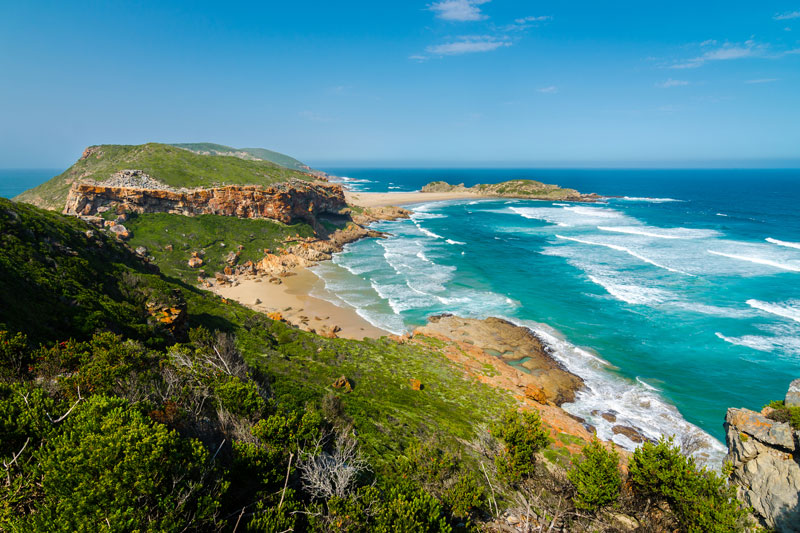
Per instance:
{"type": "Point", "coordinates": [529, 189]}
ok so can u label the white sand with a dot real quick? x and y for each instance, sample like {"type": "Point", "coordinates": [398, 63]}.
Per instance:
{"type": "Point", "coordinates": [383, 199]}
{"type": "Point", "coordinates": [291, 298]}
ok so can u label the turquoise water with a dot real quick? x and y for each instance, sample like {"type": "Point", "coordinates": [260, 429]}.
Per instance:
{"type": "Point", "coordinates": [674, 303]}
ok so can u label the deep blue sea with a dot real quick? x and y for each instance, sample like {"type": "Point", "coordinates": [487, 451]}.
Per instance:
{"type": "Point", "coordinates": [675, 300]}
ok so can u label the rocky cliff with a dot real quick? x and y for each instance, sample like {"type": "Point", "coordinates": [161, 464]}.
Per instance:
{"type": "Point", "coordinates": [765, 458]}
{"type": "Point", "coordinates": [283, 202]}
{"type": "Point", "coordinates": [529, 189]}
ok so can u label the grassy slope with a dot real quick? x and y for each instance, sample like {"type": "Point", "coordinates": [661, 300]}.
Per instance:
{"type": "Point", "coordinates": [259, 153]}
{"type": "Point", "coordinates": [155, 231]}
{"type": "Point", "coordinates": [171, 165]}
{"type": "Point", "coordinates": [51, 294]}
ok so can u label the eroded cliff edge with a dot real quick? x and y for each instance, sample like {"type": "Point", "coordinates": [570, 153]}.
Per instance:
{"type": "Point", "coordinates": [764, 457]}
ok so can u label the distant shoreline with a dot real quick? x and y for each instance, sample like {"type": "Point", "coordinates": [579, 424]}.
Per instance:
{"type": "Point", "coordinates": [384, 199]}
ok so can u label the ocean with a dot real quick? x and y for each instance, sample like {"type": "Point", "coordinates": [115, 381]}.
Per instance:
{"type": "Point", "coordinates": [15, 181]}
{"type": "Point", "coordinates": [676, 297]}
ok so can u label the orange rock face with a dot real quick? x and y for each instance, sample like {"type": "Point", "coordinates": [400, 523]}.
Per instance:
{"type": "Point", "coordinates": [285, 202]}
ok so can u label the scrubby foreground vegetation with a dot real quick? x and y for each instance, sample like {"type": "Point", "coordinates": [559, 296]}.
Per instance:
{"type": "Point", "coordinates": [130, 401]}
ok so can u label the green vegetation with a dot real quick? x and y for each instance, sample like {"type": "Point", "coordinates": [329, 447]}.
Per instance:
{"type": "Point", "coordinates": [700, 499]}
{"type": "Point", "coordinates": [246, 153]}
{"type": "Point", "coordinates": [511, 189]}
{"type": "Point", "coordinates": [523, 436]}
{"type": "Point", "coordinates": [171, 165]}
{"type": "Point", "coordinates": [783, 413]}
{"type": "Point", "coordinates": [171, 239]}
{"type": "Point", "coordinates": [113, 419]}
{"type": "Point", "coordinates": [596, 477]}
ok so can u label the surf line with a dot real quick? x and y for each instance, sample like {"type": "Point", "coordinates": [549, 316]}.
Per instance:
{"type": "Point", "coordinates": [627, 251]}
{"type": "Point", "coordinates": [758, 260]}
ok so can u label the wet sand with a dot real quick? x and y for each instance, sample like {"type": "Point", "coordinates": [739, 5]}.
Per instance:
{"type": "Point", "coordinates": [291, 298]}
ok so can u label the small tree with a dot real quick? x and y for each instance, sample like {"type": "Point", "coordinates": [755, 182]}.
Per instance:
{"type": "Point", "coordinates": [523, 436]}
{"type": "Point", "coordinates": [596, 478]}
{"type": "Point", "coordinates": [700, 498]}
{"type": "Point", "coordinates": [328, 474]}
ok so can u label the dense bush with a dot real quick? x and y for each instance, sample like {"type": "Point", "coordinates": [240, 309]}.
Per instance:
{"type": "Point", "coordinates": [110, 467]}
{"type": "Point", "coordinates": [596, 477]}
{"type": "Point", "coordinates": [441, 473]}
{"type": "Point", "coordinates": [700, 499]}
{"type": "Point", "coordinates": [522, 435]}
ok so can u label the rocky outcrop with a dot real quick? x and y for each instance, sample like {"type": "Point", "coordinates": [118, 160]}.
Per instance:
{"type": "Point", "coordinates": [765, 459]}
{"type": "Point", "coordinates": [529, 189]}
{"type": "Point", "coordinates": [543, 379]}
{"type": "Point", "coordinates": [491, 351]}
{"type": "Point", "coordinates": [284, 202]}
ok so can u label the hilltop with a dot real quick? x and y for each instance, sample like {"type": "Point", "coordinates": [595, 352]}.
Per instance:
{"type": "Point", "coordinates": [253, 154]}
{"type": "Point", "coordinates": [530, 189]}
{"type": "Point", "coordinates": [170, 165]}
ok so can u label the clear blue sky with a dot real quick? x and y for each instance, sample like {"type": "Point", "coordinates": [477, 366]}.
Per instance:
{"type": "Point", "coordinates": [413, 82]}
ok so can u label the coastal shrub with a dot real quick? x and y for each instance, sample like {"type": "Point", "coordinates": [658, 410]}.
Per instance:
{"type": "Point", "coordinates": [522, 435]}
{"type": "Point", "coordinates": [440, 473]}
{"type": "Point", "coordinates": [783, 413]}
{"type": "Point", "coordinates": [700, 499]}
{"type": "Point", "coordinates": [15, 357]}
{"type": "Point", "coordinates": [406, 510]}
{"type": "Point", "coordinates": [240, 397]}
{"type": "Point", "coordinates": [596, 477]}
{"type": "Point", "coordinates": [112, 467]}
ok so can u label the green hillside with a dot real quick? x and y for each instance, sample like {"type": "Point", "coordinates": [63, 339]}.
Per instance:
{"type": "Point", "coordinates": [246, 153]}
{"type": "Point", "coordinates": [171, 165]}
{"type": "Point", "coordinates": [130, 401]}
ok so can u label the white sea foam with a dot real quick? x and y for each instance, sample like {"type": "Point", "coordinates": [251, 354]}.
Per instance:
{"type": "Point", "coordinates": [451, 241]}
{"type": "Point", "coordinates": [561, 205]}
{"type": "Point", "coordinates": [637, 404]}
{"type": "Point", "coordinates": [632, 294]}
{"type": "Point", "coordinates": [661, 233]}
{"type": "Point", "coordinates": [790, 310]}
{"type": "Point", "coordinates": [627, 251]}
{"type": "Point", "coordinates": [760, 260]}
{"type": "Point", "coordinates": [784, 243]}
{"type": "Point", "coordinates": [598, 212]}
{"type": "Point", "coordinates": [651, 200]}
{"type": "Point", "coordinates": [424, 215]}
{"type": "Point", "coordinates": [721, 215]}
{"type": "Point", "coordinates": [783, 344]}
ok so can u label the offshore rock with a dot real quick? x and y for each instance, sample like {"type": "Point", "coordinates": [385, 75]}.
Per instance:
{"type": "Point", "coordinates": [284, 202]}
{"type": "Point", "coordinates": [766, 467]}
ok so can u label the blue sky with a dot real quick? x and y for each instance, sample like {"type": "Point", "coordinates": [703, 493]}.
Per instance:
{"type": "Point", "coordinates": [450, 82]}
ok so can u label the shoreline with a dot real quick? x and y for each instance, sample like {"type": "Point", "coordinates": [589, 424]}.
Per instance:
{"type": "Point", "coordinates": [385, 199]}
{"type": "Point", "coordinates": [291, 300]}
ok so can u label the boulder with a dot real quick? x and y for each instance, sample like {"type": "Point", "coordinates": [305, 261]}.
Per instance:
{"type": "Point", "coordinates": [120, 231]}
{"type": "Point", "coordinates": [141, 250]}
{"type": "Point", "coordinates": [765, 468]}
{"type": "Point", "coordinates": [343, 383]}
{"type": "Point", "coordinates": [793, 394]}
{"type": "Point", "coordinates": [195, 262]}
{"type": "Point", "coordinates": [632, 433]}
{"type": "Point", "coordinates": [232, 258]}
{"type": "Point", "coordinates": [416, 384]}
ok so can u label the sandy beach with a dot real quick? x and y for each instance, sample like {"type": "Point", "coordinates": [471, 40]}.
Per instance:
{"type": "Point", "coordinates": [383, 199]}
{"type": "Point", "coordinates": [291, 298]}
